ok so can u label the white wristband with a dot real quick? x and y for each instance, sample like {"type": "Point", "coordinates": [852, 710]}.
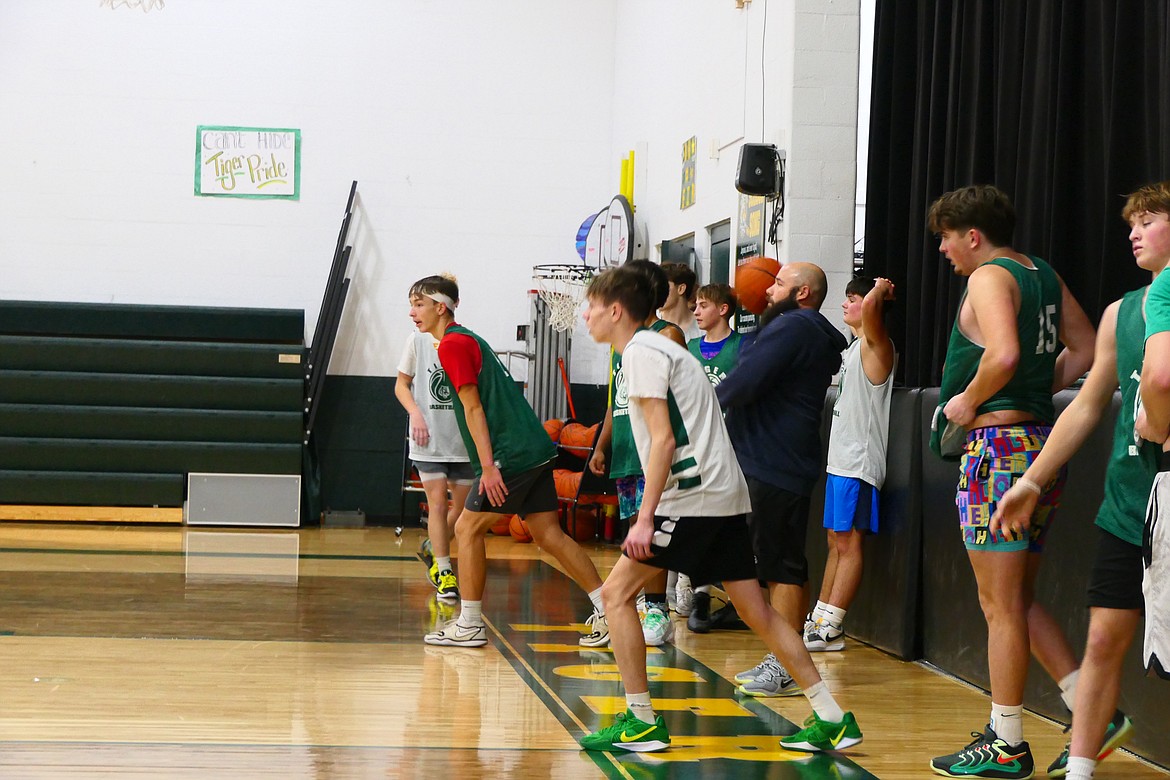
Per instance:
{"type": "Point", "coordinates": [1028, 484]}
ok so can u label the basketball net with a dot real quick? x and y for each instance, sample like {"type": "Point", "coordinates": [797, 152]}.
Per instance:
{"type": "Point", "coordinates": [562, 288]}
{"type": "Point", "coordinates": [145, 5]}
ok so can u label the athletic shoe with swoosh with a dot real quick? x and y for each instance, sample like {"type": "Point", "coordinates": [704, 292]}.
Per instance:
{"type": "Point", "coordinates": [987, 756]}
{"type": "Point", "coordinates": [822, 735]}
{"type": "Point", "coordinates": [1117, 733]}
{"type": "Point", "coordinates": [629, 733]}
{"type": "Point", "coordinates": [453, 634]}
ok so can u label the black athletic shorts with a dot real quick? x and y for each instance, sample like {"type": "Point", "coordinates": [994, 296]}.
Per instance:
{"type": "Point", "coordinates": [706, 549]}
{"type": "Point", "coordinates": [778, 525]}
{"type": "Point", "coordinates": [529, 492]}
{"type": "Point", "coordinates": [1115, 581]}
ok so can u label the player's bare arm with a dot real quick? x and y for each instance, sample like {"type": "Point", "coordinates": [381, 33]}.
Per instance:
{"type": "Point", "coordinates": [597, 461]}
{"type": "Point", "coordinates": [1013, 513]}
{"type": "Point", "coordinates": [656, 469]}
{"type": "Point", "coordinates": [491, 482]}
{"type": "Point", "coordinates": [1153, 423]}
{"type": "Point", "coordinates": [1078, 337]}
{"type": "Point", "coordinates": [992, 296]}
{"type": "Point", "coordinates": [877, 349]}
{"type": "Point", "coordinates": [419, 433]}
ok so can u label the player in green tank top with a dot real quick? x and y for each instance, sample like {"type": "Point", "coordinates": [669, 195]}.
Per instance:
{"type": "Point", "coordinates": [1006, 359]}
{"type": "Point", "coordinates": [714, 305]}
{"type": "Point", "coordinates": [1114, 598]}
{"type": "Point", "coordinates": [513, 459]}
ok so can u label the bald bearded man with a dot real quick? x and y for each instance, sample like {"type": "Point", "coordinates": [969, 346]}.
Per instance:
{"type": "Point", "coordinates": [773, 401]}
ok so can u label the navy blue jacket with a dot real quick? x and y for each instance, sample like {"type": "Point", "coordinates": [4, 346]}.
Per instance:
{"type": "Point", "coordinates": [775, 396]}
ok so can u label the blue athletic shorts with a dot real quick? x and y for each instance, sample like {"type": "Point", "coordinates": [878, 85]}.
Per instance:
{"type": "Point", "coordinates": [850, 503]}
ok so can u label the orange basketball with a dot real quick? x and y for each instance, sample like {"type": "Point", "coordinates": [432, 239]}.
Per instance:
{"type": "Point", "coordinates": [553, 428]}
{"type": "Point", "coordinates": [567, 482]}
{"type": "Point", "coordinates": [519, 529]}
{"type": "Point", "coordinates": [585, 527]}
{"type": "Point", "coordinates": [503, 526]}
{"type": "Point", "coordinates": [578, 439]}
{"type": "Point", "coordinates": [752, 280]}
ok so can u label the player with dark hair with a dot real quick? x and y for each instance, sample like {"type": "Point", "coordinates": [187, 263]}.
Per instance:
{"type": "Point", "coordinates": [615, 447]}
{"type": "Point", "coordinates": [692, 519]}
{"type": "Point", "coordinates": [1003, 364]}
{"type": "Point", "coordinates": [680, 299]}
{"type": "Point", "coordinates": [856, 466]}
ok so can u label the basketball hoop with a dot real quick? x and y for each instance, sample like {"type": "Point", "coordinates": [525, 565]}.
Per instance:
{"type": "Point", "coordinates": [145, 5]}
{"type": "Point", "coordinates": [562, 288]}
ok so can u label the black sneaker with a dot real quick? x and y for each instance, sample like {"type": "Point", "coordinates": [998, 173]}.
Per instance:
{"type": "Point", "coordinates": [987, 756]}
{"type": "Point", "coordinates": [699, 621]}
{"type": "Point", "coordinates": [727, 619]}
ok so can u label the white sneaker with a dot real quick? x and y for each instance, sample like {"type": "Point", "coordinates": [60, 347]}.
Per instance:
{"type": "Point", "coordinates": [751, 674]}
{"type": "Point", "coordinates": [823, 637]}
{"type": "Point", "coordinates": [773, 681]}
{"type": "Point", "coordinates": [598, 635]}
{"type": "Point", "coordinates": [454, 635]}
{"type": "Point", "coordinates": [657, 629]}
{"type": "Point", "coordinates": [684, 600]}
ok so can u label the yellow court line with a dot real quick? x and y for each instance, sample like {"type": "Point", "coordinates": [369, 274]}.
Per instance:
{"type": "Point", "coordinates": [552, 693]}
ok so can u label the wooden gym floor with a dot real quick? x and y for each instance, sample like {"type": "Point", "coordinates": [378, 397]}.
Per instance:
{"type": "Point", "coordinates": [173, 652]}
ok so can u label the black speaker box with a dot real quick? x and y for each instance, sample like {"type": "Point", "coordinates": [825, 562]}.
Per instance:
{"type": "Point", "coordinates": [757, 172]}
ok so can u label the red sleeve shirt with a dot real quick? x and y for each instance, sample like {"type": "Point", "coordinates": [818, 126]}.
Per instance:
{"type": "Point", "coordinates": [461, 359]}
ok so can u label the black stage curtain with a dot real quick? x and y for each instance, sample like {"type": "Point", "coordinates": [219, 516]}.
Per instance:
{"type": "Point", "coordinates": [1063, 104]}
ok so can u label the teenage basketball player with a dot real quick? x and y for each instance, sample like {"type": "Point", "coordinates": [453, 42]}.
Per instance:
{"type": "Point", "coordinates": [856, 466]}
{"type": "Point", "coordinates": [513, 461]}
{"type": "Point", "coordinates": [1001, 369]}
{"type": "Point", "coordinates": [692, 519]}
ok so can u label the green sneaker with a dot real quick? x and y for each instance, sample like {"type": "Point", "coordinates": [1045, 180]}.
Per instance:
{"type": "Point", "coordinates": [1117, 733]}
{"type": "Point", "coordinates": [987, 756]}
{"type": "Point", "coordinates": [629, 733]}
{"type": "Point", "coordinates": [818, 735]}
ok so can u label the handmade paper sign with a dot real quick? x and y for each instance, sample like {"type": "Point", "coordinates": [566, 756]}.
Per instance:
{"type": "Point", "coordinates": [247, 162]}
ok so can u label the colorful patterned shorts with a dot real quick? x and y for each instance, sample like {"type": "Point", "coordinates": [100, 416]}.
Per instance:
{"type": "Point", "coordinates": [629, 495]}
{"type": "Point", "coordinates": [995, 458]}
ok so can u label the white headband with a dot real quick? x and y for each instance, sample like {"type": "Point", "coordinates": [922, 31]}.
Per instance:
{"type": "Point", "coordinates": [439, 297]}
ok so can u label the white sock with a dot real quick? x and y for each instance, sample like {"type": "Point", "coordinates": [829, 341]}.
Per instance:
{"type": "Point", "coordinates": [639, 704]}
{"type": "Point", "coordinates": [1068, 688]}
{"type": "Point", "coordinates": [595, 597]}
{"type": "Point", "coordinates": [1080, 768]}
{"type": "Point", "coordinates": [471, 613]}
{"type": "Point", "coordinates": [703, 589]}
{"type": "Point", "coordinates": [823, 703]}
{"type": "Point", "coordinates": [834, 616]}
{"type": "Point", "coordinates": [1008, 722]}
{"type": "Point", "coordinates": [683, 581]}
{"type": "Point", "coordinates": [444, 563]}
{"type": "Point", "coordinates": [819, 611]}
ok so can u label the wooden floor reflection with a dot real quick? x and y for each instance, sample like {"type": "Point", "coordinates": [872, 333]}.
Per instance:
{"type": "Point", "coordinates": [157, 652]}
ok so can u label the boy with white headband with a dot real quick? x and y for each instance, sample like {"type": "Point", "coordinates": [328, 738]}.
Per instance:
{"type": "Point", "coordinates": [436, 449]}
{"type": "Point", "coordinates": [513, 460]}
